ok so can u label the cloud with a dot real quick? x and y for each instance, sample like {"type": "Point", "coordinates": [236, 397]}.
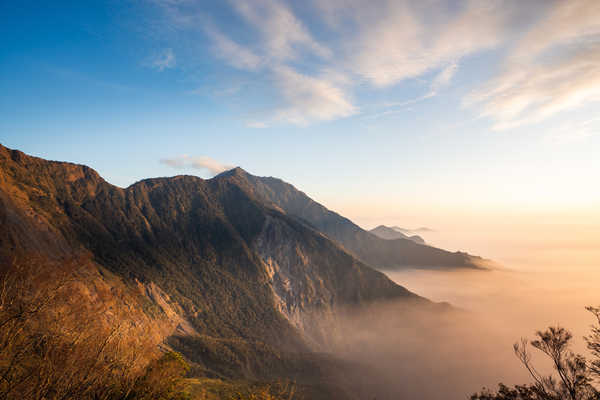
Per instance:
{"type": "Point", "coordinates": [441, 80]}
{"type": "Point", "coordinates": [444, 77]}
{"type": "Point", "coordinates": [164, 60]}
{"type": "Point", "coordinates": [392, 42]}
{"type": "Point", "coordinates": [399, 106]}
{"type": "Point", "coordinates": [313, 58]}
{"type": "Point", "coordinates": [310, 99]}
{"type": "Point", "coordinates": [569, 22]}
{"type": "Point", "coordinates": [202, 163]}
{"type": "Point", "coordinates": [555, 67]}
{"type": "Point", "coordinates": [525, 95]}
{"type": "Point", "coordinates": [233, 53]}
{"type": "Point", "coordinates": [570, 132]}
{"type": "Point", "coordinates": [257, 124]}
{"type": "Point", "coordinates": [284, 37]}
{"type": "Point", "coordinates": [281, 38]}
{"type": "Point", "coordinates": [283, 34]}
{"type": "Point", "coordinates": [315, 79]}
{"type": "Point", "coordinates": [397, 40]}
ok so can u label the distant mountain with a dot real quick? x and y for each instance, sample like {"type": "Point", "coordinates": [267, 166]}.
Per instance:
{"type": "Point", "coordinates": [374, 251]}
{"type": "Point", "coordinates": [387, 233]}
{"type": "Point", "coordinates": [217, 268]}
{"type": "Point", "coordinates": [413, 231]}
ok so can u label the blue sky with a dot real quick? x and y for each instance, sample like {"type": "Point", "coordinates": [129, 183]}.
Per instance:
{"type": "Point", "coordinates": [382, 110]}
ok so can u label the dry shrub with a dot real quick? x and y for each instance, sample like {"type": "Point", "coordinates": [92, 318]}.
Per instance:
{"type": "Point", "coordinates": [62, 337]}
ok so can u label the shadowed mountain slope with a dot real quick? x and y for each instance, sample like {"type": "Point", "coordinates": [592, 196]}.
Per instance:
{"type": "Point", "coordinates": [371, 249]}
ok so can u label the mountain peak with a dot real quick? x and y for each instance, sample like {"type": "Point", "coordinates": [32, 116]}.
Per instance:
{"type": "Point", "coordinates": [390, 233]}
{"type": "Point", "coordinates": [237, 171]}
{"type": "Point", "coordinates": [397, 251]}
{"type": "Point", "coordinates": [209, 245]}
{"type": "Point", "coordinates": [421, 229]}
{"type": "Point", "coordinates": [75, 179]}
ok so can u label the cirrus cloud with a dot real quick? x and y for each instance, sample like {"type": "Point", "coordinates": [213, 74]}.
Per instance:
{"type": "Point", "coordinates": [553, 68]}
{"type": "Point", "coordinates": [203, 163]}
{"type": "Point", "coordinates": [399, 40]}
{"type": "Point", "coordinates": [310, 98]}
{"type": "Point", "coordinates": [164, 60]}
{"type": "Point", "coordinates": [314, 59]}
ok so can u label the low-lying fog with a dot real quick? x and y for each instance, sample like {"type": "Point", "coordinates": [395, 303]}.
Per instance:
{"type": "Point", "coordinates": [450, 357]}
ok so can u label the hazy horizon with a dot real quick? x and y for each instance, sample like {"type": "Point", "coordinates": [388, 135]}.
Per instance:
{"type": "Point", "coordinates": [545, 280]}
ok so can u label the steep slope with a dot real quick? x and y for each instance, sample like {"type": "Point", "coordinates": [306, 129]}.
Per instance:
{"type": "Point", "coordinates": [387, 233]}
{"type": "Point", "coordinates": [243, 284]}
{"type": "Point", "coordinates": [372, 250]}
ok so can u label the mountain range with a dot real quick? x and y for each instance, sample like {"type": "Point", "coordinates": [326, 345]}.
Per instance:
{"type": "Point", "coordinates": [371, 249]}
{"type": "Point", "coordinates": [243, 275]}
{"type": "Point", "coordinates": [406, 231]}
{"type": "Point", "coordinates": [385, 232]}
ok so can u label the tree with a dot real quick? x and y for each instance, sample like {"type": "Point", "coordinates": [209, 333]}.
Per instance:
{"type": "Point", "coordinates": [574, 375]}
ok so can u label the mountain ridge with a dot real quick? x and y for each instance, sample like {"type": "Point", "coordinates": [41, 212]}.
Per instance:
{"type": "Point", "coordinates": [379, 253]}
{"type": "Point", "coordinates": [232, 274]}
{"type": "Point", "coordinates": [385, 232]}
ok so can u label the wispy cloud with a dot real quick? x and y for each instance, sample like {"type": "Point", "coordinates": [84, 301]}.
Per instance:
{"type": "Point", "coordinates": [233, 53]}
{"type": "Point", "coordinates": [443, 78]}
{"type": "Point", "coordinates": [314, 57]}
{"type": "Point", "coordinates": [281, 39]}
{"type": "Point", "coordinates": [164, 60]}
{"type": "Point", "coordinates": [257, 124]}
{"type": "Point", "coordinates": [567, 23]}
{"type": "Point", "coordinates": [555, 67]}
{"type": "Point", "coordinates": [399, 106]}
{"type": "Point", "coordinates": [310, 99]}
{"type": "Point", "coordinates": [398, 40]}
{"type": "Point", "coordinates": [524, 95]}
{"type": "Point", "coordinates": [284, 38]}
{"type": "Point", "coordinates": [570, 132]}
{"type": "Point", "coordinates": [284, 35]}
{"type": "Point", "coordinates": [203, 163]}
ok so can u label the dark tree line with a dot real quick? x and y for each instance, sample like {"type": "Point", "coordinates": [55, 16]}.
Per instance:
{"type": "Point", "coordinates": [574, 378]}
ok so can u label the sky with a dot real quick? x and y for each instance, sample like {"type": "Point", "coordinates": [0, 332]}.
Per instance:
{"type": "Point", "coordinates": [458, 115]}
